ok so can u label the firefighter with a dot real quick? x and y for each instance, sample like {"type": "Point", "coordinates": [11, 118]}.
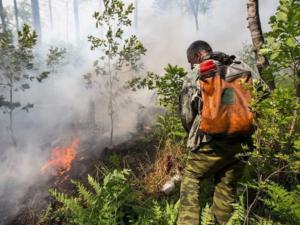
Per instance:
{"type": "Point", "coordinates": [208, 155]}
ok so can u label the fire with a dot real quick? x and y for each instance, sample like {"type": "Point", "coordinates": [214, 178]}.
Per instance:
{"type": "Point", "coordinates": [62, 158]}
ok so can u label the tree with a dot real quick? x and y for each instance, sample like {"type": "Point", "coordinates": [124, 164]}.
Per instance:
{"type": "Point", "coordinates": [258, 39]}
{"type": "Point", "coordinates": [15, 61]}
{"type": "Point", "coordinates": [50, 12]}
{"type": "Point", "coordinates": [275, 158]}
{"type": "Point", "coordinates": [16, 14]}
{"type": "Point", "coordinates": [17, 70]}
{"type": "Point", "coordinates": [196, 7]}
{"type": "Point", "coordinates": [192, 7]}
{"type": "Point", "coordinates": [2, 15]}
{"type": "Point", "coordinates": [76, 17]}
{"type": "Point", "coordinates": [36, 18]}
{"type": "Point", "coordinates": [119, 53]}
{"type": "Point", "coordinates": [282, 43]}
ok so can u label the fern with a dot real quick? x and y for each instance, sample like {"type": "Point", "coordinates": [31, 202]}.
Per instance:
{"type": "Point", "coordinates": [86, 196]}
{"type": "Point", "coordinates": [94, 184]}
{"type": "Point", "coordinates": [206, 216]}
{"type": "Point", "coordinates": [284, 204]}
{"type": "Point", "coordinates": [238, 216]}
{"type": "Point", "coordinates": [104, 204]}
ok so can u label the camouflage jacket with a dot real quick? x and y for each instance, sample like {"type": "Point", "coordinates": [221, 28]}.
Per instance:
{"type": "Point", "coordinates": [191, 102]}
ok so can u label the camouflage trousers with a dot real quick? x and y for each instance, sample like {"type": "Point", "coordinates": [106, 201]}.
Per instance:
{"type": "Point", "coordinates": [214, 158]}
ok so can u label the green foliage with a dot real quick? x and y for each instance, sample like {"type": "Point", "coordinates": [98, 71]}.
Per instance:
{"type": "Point", "coordinates": [168, 88]}
{"type": "Point", "coordinates": [160, 213]}
{"type": "Point", "coordinates": [275, 159]}
{"type": "Point", "coordinates": [275, 145]}
{"type": "Point", "coordinates": [115, 159]}
{"type": "Point", "coordinates": [207, 217]}
{"type": "Point", "coordinates": [238, 216]}
{"type": "Point", "coordinates": [15, 62]}
{"type": "Point", "coordinates": [282, 42]}
{"type": "Point", "coordinates": [111, 202]}
{"type": "Point", "coordinates": [55, 57]}
{"type": "Point", "coordinates": [114, 19]}
{"type": "Point", "coordinates": [285, 205]}
{"type": "Point", "coordinates": [104, 204]}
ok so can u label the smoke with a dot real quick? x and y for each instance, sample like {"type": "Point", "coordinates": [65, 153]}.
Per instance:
{"type": "Point", "coordinates": [63, 107]}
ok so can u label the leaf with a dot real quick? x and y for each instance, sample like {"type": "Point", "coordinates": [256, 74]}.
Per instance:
{"type": "Point", "coordinates": [43, 76]}
{"type": "Point", "coordinates": [25, 86]}
{"type": "Point", "coordinates": [291, 42]}
{"type": "Point", "coordinates": [27, 107]}
{"type": "Point", "coordinates": [282, 16]}
{"type": "Point", "coordinates": [274, 55]}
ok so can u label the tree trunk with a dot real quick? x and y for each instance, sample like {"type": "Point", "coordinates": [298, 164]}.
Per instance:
{"type": "Point", "coordinates": [196, 21]}
{"type": "Point", "coordinates": [136, 15]}
{"type": "Point", "coordinates": [254, 26]}
{"type": "Point", "coordinates": [76, 17]}
{"type": "Point", "coordinates": [16, 15]}
{"type": "Point", "coordinates": [51, 15]}
{"type": "Point", "coordinates": [194, 6]}
{"type": "Point", "coordinates": [2, 16]}
{"type": "Point", "coordinates": [111, 107]}
{"type": "Point", "coordinates": [11, 127]}
{"type": "Point", "coordinates": [36, 18]}
{"type": "Point", "coordinates": [298, 79]}
{"type": "Point", "coordinates": [67, 21]}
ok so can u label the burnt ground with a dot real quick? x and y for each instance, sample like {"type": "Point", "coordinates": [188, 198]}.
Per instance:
{"type": "Point", "coordinates": [137, 154]}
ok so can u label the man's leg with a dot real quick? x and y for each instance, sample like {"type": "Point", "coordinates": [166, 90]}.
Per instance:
{"type": "Point", "coordinates": [225, 191]}
{"type": "Point", "coordinates": [199, 165]}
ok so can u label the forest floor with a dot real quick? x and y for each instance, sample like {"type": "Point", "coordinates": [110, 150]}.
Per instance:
{"type": "Point", "coordinates": [138, 155]}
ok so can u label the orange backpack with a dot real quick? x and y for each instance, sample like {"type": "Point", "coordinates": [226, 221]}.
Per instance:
{"type": "Point", "coordinates": [226, 99]}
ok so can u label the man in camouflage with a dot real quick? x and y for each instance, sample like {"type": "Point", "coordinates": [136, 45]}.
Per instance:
{"type": "Point", "coordinates": [208, 155]}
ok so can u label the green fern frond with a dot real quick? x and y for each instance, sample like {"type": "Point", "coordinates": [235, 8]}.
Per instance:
{"type": "Point", "coordinates": [238, 216]}
{"type": "Point", "coordinates": [85, 195]}
{"type": "Point", "coordinates": [207, 216]}
{"type": "Point", "coordinates": [172, 212]}
{"type": "Point", "coordinates": [284, 204]}
{"type": "Point", "coordinates": [70, 203]}
{"type": "Point", "coordinates": [94, 184]}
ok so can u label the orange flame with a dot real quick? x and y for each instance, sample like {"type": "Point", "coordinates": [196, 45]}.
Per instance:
{"type": "Point", "coordinates": [62, 158]}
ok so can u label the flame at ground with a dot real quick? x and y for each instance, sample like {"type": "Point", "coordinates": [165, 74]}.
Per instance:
{"type": "Point", "coordinates": [61, 158]}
